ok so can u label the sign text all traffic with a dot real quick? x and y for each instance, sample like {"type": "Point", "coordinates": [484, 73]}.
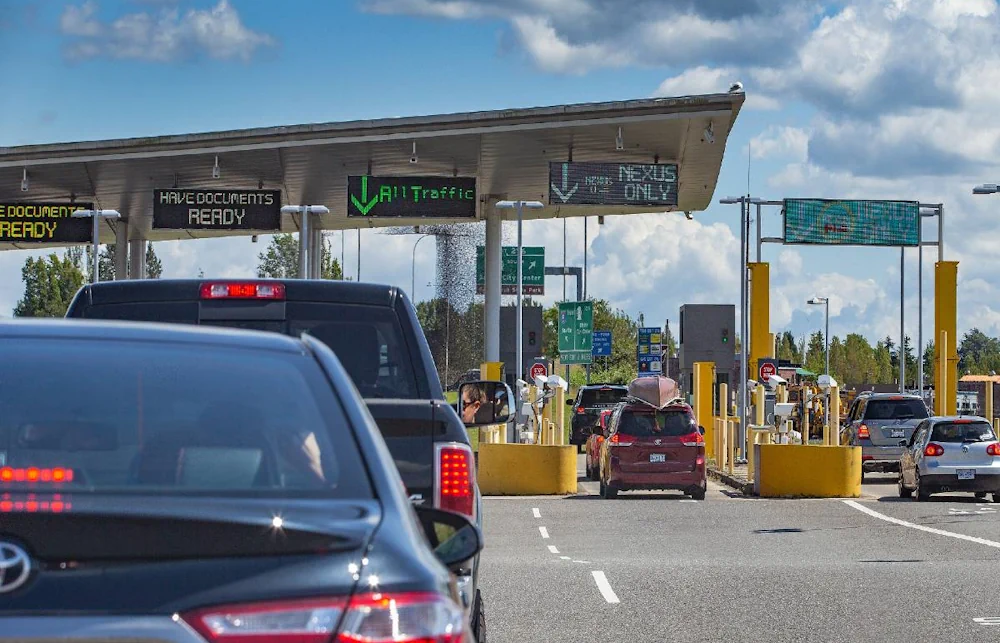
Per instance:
{"type": "Point", "coordinates": [613, 184]}
{"type": "Point", "coordinates": [183, 209]}
{"type": "Point", "coordinates": [446, 197]}
{"type": "Point", "coordinates": [44, 223]}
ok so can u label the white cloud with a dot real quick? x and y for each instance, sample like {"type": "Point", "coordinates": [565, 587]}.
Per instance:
{"type": "Point", "coordinates": [788, 143]}
{"type": "Point", "coordinates": [553, 53]}
{"type": "Point", "coordinates": [217, 32]}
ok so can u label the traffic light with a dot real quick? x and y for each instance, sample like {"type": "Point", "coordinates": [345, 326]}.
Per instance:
{"type": "Point", "coordinates": [531, 338]}
{"type": "Point", "coordinates": [725, 335]}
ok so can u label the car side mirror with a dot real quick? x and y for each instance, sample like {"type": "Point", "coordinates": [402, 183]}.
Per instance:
{"type": "Point", "coordinates": [485, 403]}
{"type": "Point", "coordinates": [452, 536]}
{"type": "Point", "coordinates": [701, 429]}
{"type": "Point", "coordinates": [570, 402]}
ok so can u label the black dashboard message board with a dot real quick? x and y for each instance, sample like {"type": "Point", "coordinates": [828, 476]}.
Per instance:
{"type": "Point", "coordinates": [44, 223]}
{"type": "Point", "coordinates": [445, 197]}
{"type": "Point", "coordinates": [181, 209]}
{"type": "Point", "coordinates": [626, 184]}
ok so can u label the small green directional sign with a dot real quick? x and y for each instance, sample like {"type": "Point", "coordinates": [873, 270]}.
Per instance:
{"type": "Point", "coordinates": [576, 332]}
{"type": "Point", "coordinates": [532, 270]}
{"type": "Point", "coordinates": [424, 197]}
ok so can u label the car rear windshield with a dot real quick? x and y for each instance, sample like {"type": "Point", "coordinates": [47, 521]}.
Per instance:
{"type": "Point", "coordinates": [963, 432]}
{"type": "Point", "coordinates": [168, 418]}
{"type": "Point", "coordinates": [591, 397]}
{"type": "Point", "coordinates": [895, 410]}
{"type": "Point", "coordinates": [367, 339]}
{"type": "Point", "coordinates": [656, 424]}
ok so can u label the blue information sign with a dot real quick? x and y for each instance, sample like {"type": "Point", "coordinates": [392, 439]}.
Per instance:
{"type": "Point", "coordinates": [852, 223]}
{"type": "Point", "coordinates": [602, 343]}
{"type": "Point", "coordinates": [648, 351]}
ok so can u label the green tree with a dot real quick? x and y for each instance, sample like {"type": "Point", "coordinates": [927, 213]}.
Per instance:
{"type": "Point", "coordinates": [929, 362]}
{"type": "Point", "coordinates": [788, 348]}
{"type": "Point", "coordinates": [154, 267]}
{"type": "Point", "coordinates": [281, 259]}
{"type": "Point", "coordinates": [106, 262]}
{"type": "Point", "coordinates": [860, 366]}
{"type": "Point", "coordinates": [816, 353]}
{"type": "Point", "coordinates": [49, 285]}
{"type": "Point", "coordinates": [978, 353]}
{"type": "Point", "coordinates": [838, 359]}
{"type": "Point", "coordinates": [884, 373]}
{"type": "Point", "coordinates": [911, 362]}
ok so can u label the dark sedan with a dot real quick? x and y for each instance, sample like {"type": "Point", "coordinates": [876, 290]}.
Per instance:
{"type": "Point", "coordinates": [193, 485]}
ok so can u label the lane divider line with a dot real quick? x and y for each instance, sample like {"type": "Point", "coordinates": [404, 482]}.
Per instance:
{"type": "Point", "coordinates": [535, 512]}
{"type": "Point", "coordinates": [544, 532]}
{"type": "Point", "coordinates": [564, 557]}
{"type": "Point", "coordinates": [688, 500]}
{"type": "Point", "coordinates": [931, 530]}
{"type": "Point", "coordinates": [605, 587]}
{"type": "Point", "coordinates": [582, 562]}
{"type": "Point", "coordinates": [552, 549]}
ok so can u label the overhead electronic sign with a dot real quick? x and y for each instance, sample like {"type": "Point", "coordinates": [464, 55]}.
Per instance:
{"type": "Point", "coordinates": [637, 184]}
{"type": "Point", "coordinates": [44, 223]}
{"type": "Point", "coordinates": [852, 222]}
{"type": "Point", "coordinates": [425, 197]}
{"type": "Point", "coordinates": [183, 209]}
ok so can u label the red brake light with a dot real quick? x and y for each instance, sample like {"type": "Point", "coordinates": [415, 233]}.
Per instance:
{"type": "Point", "coordinates": [581, 410]}
{"type": "Point", "coordinates": [456, 479]}
{"type": "Point", "coordinates": [34, 474]}
{"type": "Point", "coordinates": [993, 449]}
{"type": "Point", "coordinates": [693, 439]}
{"type": "Point", "coordinates": [32, 504]}
{"type": "Point", "coordinates": [863, 432]}
{"type": "Point", "coordinates": [933, 450]}
{"type": "Point", "coordinates": [417, 617]}
{"type": "Point", "coordinates": [621, 440]}
{"type": "Point", "coordinates": [242, 290]}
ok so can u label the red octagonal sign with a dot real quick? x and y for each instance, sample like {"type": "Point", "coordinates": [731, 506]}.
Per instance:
{"type": "Point", "coordinates": [536, 370]}
{"type": "Point", "coordinates": [767, 369]}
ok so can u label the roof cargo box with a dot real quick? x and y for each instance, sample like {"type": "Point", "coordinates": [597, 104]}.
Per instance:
{"type": "Point", "coordinates": [656, 391]}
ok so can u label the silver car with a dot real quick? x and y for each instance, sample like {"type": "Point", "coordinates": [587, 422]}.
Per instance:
{"type": "Point", "coordinates": [877, 422]}
{"type": "Point", "coordinates": [951, 454]}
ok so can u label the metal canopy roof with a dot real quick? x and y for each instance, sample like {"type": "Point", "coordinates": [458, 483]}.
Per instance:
{"type": "Point", "coordinates": [508, 150]}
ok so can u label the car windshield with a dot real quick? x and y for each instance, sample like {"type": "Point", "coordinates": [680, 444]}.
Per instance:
{"type": "Point", "coordinates": [963, 432]}
{"type": "Point", "coordinates": [173, 419]}
{"type": "Point", "coordinates": [601, 396]}
{"type": "Point", "coordinates": [904, 409]}
{"type": "Point", "coordinates": [656, 424]}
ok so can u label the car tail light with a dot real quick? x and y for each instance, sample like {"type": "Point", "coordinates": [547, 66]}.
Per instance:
{"type": "Point", "coordinates": [580, 410]}
{"type": "Point", "coordinates": [933, 450]}
{"type": "Point", "coordinates": [993, 449]}
{"type": "Point", "coordinates": [415, 617]}
{"type": "Point", "coordinates": [621, 440]}
{"type": "Point", "coordinates": [411, 618]}
{"type": "Point", "coordinates": [34, 474]}
{"type": "Point", "coordinates": [863, 432]}
{"type": "Point", "coordinates": [455, 487]}
{"type": "Point", "coordinates": [693, 439]}
{"type": "Point", "coordinates": [242, 290]}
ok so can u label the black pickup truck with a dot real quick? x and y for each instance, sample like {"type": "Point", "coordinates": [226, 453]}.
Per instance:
{"type": "Point", "coordinates": [374, 331]}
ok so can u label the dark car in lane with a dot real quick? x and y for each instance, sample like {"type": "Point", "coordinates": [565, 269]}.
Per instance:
{"type": "Point", "coordinates": [374, 331]}
{"type": "Point", "coordinates": [191, 485]}
{"type": "Point", "coordinates": [878, 422]}
{"type": "Point", "coordinates": [587, 406]}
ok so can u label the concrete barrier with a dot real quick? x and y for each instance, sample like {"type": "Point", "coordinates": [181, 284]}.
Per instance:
{"type": "Point", "coordinates": [526, 470]}
{"type": "Point", "coordinates": [797, 471]}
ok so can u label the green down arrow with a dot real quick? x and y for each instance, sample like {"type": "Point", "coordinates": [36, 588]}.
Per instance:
{"type": "Point", "coordinates": [364, 206]}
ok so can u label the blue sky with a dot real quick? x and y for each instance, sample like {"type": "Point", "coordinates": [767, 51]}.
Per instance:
{"type": "Point", "coordinates": [840, 103]}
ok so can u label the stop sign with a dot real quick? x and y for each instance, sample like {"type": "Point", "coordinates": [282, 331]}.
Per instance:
{"type": "Point", "coordinates": [536, 369]}
{"type": "Point", "coordinates": [767, 369]}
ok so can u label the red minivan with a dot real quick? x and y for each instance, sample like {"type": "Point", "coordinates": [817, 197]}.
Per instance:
{"type": "Point", "coordinates": [593, 446]}
{"type": "Point", "coordinates": [653, 448]}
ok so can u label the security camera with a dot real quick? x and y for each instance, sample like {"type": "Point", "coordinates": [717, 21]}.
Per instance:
{"type": "Point", "coordinates": [414, 159]}
{"type": "Point", "coordinates": [783, 411]}
{"type": "Point", "coordinates": [541, 381]}
{"type": "Point", "coordinates": [774, 381]}
{"type": "Point", "coordinates": [557, 382]}
{"type": "Point", "coordinates": [751, 383]}
{"type": "Point", "coordinates": [736, 87]}
{"type": "Point", "coordinates": [688, 215]}
{"type": "Point", "coordinates": [826, 382]}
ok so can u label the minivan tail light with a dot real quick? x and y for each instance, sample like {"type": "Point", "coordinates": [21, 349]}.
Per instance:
{"type": "Point", "coordinates": [621, 440]}
{"type": "Point", "coordinates": [863, 432]}
{"type": "Point", "coordinates": [692, 440]}
{"type": "Point", "coordinates": [242, 290]}
{"type": "Point", "coordinates": [993, 449]}
{"type": "Point", "coordinates": [933, 450]}
{"type": "Point", "coordinates": [455, 479]}
{"type": "Point", "coordinates": [580, 410]}
{"type": "Point", "coordinates": [417, 617]}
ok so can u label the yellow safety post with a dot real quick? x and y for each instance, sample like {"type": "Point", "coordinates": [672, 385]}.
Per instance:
{"type": "Point", "coordinates": [759, 405]}
{"type": "Point", "coordinates": [547, 418]}
{"type": "Point", "coordinates": [731, 445]}
{"type": "Point", "coordinates": [945, 321]}
{"type": "Point", "coordinates": [560, 414]}
{"type": "Point", "coordinates": [491, 371]}
{"type": "Point", "coordinates": [704, 377]}
{"type": "Point", "coordinates": [989, 401]}
{"type": "Point", "coordinates": [761, 344]}
{"type": "Point", "coordinates": [835, 416]}
{"type": "Point", "coordinates": [536, 426]}
{"type": "Point", "coordinates": [725, 450]}
{"type": "Point", "coordinates": [806, 404]}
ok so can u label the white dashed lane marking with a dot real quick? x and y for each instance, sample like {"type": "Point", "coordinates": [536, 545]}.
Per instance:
{"type": "Point", "coordinates": [544, 532]}
{"type": "Point", "coordinates": [552, 549]}
{"type": "Point", "coordinates": [535, 512]}
{"type": "Point", "coordinates": [605, 587]}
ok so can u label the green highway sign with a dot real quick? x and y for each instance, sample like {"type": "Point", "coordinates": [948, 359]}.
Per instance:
{"type": "Point", "coordinates": [532, 270]}
{"type": "Point", "coordinates": [447, 197]}
{"type": "Point", "coordinates": [576, 332]}
{"type": "Point", "coordinates": [852, 222]}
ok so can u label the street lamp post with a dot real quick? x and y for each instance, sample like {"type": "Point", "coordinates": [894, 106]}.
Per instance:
{"type": "Point", "coordinates": [519, 331]}
{"type": "Point", "coordinates": [413, 268]}
{"type": "Point", "coordinates": [96, 215]}
{"type": "Point", "coordinates": [825, 301]}
{"type": "Point", "coordinates": [305, 249]}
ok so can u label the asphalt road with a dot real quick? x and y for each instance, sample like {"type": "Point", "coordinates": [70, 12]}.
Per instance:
{"type": "Point", "coordinates": [660, 567]}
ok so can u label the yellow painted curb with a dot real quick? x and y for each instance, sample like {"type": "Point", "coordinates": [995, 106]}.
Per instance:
{"type": "Point", "coordinates": [526, 470]}
{"type": "Point", "coordinates": [796, 471]}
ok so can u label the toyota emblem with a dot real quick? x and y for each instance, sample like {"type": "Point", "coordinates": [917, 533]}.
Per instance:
{"type": "Point", "coordinates": [15, 567]}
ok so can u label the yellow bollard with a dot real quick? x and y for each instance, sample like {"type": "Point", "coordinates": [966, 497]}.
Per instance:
{"type": "Point", "coordinates": [535, 424]}
{"type": "Point", "coordinates": [835, 416]}
{"type": "Point", "coordinates": [941, 394]}
{"type": "Point", "coordinates": [731, 446]}
{"type": "Point", "coordinates": [560, 415]}
{"type": "Point", "coordinates": [989, 402]}
{"type": "Point", "coordinates": [723, 433]}
{"type": "Point", "coordinates": [805, 417]}
{"type": "Point", "coordinates": [759, 405]}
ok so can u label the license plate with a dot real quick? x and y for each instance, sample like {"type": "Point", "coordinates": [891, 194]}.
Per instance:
{"type": "Point", "coordinates": [898, 434]}
{"type": "Point", "coordinates": [657, 457]}
{"type": "Point", "coordinates": [966, 474]}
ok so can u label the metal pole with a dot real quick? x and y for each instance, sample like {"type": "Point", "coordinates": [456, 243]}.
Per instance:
{"type": "Point", "coordinates": [564, 259]}
{"type": "Point", "coordinates": [941, 233]}
{"type": "Point", "coordinates": [585, 284]}
{"type": "Point", "coordinates": [492, 270]}
{"type": "Point", "coordinates": [759, 242]}
{"type": "Point", "coordinates": [343, 245]}
{"type": "Point", "coordinates": [520, 286]}
{"type": "Point", "coordinates": [743, 325]}
{"type": "Point", "coordinates": [359, 255]}
{"type": "Point", "coordinates": [902, 320]}
{"type": "Point", "coordinates": [413, 268]}
{"type": "Point", "coordinates": [920, 316]}
{"type": "Point", "coordinates": [826, 407]}
{"type": "Point", "coordinates": [97, 244]}
{"type": "Point", "coordinates": [304, 239]}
